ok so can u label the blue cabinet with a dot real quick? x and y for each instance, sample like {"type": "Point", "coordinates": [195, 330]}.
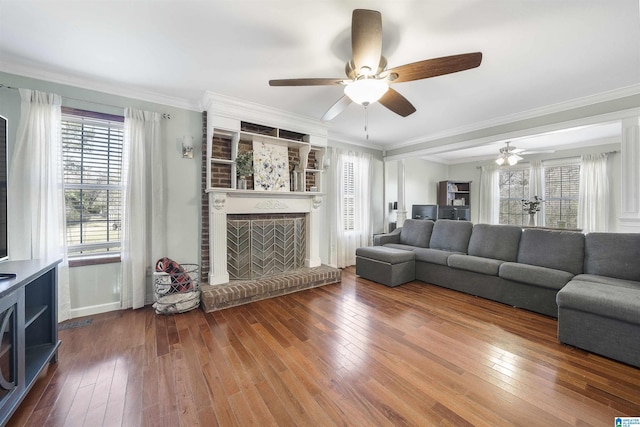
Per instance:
{"type": "Point", "coordinates": [9, 369]}
{"type": "Point", "coordinates": [28, 328]}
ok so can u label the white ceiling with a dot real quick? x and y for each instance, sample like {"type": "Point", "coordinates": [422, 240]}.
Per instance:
{"type": "Point", "coordinates": [536, 53]}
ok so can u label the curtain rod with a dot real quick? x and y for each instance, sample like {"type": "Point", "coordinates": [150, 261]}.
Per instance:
{"type": "Point", "coordinates": [163, 115]}
{"type": "Point", "coordinates": [560, 158]}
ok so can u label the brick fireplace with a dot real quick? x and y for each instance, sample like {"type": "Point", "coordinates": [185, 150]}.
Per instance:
{"type": "Point", "coordinates": [232, 127]}
{"type": "Point", "coordinates": [225, 204]}
{"type": "Point", "coordinates": [294, 264]}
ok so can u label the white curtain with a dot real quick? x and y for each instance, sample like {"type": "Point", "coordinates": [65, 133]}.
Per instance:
{"type": "Point", "coordinates": [594, 201]}
{"type": "Point", "coordinates": [144, 225]}
{"type": "Point", "coordinates": [536, 186]}
{"type": "Point", "coordinates": [345, 242]}
{"type": "Point", "coordinates": [489, 195]}
{"type": "Point", "coordinates": [37, 223]}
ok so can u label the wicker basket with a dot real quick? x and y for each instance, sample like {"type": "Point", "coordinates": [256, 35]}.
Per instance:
{"type": "Point", "coordinates": [179, 292]}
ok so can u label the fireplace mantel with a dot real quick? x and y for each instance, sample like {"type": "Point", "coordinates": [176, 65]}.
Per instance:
{"type": "Point", "coordinates": [251, 201]}
{"type": "Point", "coordinates": [230, 201]}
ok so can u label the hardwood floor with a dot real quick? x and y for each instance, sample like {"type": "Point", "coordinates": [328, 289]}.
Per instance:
{"type": "Point", "coordinates": [353, 353]}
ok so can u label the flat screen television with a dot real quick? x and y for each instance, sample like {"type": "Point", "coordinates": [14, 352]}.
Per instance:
{"type": "Point", "coordinates": [4, 251]}
{"type": "Point", "coordinates": [424, 212]}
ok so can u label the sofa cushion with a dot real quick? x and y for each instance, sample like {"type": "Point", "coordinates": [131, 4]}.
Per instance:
{"type": "Point", "coordinates": [400, 246]}
{"type": "Point", "coordinates": [613, 254]}
{"type": "Point", "coordinates": [534, 275]}
{"type": "Point", "coordinates": [495, 241]}
{"type": "Point", "coordinates": [434, 256]}
{"type": "Point", "coordinates": [605, 280]}
{"type": "Point", "coordinates": [385, 254]}
{"type": "Point", "coordinates": [451, 235]}
{"type": "Point", "coordinates": [559, 250]}
{"type": "Point", "coordinates": [616, 302]}
{"type": "Point", "coordinates": [416, 232]}
{"type": "Point", "coordinates": [476, 264]}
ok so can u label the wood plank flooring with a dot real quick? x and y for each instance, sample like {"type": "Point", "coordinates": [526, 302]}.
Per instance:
{"type": "Point", "coordinates": [353, 353]}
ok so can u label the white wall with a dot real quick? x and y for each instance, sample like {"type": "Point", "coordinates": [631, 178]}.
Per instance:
{"type": "Point", "coordinates": [95, 288]}
{"type": "Point", "coordinates": [422, 187]}
{"type": "Point", "coordinates": [421, 182]}
{"type": "Point", "coordinates": [390, 192]}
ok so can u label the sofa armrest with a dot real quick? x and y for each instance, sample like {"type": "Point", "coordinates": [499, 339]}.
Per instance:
{"type": "Point", "coordinates": [382, 239]}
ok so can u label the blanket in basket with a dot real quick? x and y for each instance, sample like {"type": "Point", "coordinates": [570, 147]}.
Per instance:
{"type": "Point", "coordinates": [180, 280]}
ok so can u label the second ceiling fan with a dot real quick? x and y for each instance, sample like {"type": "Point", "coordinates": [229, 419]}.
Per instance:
{"type": "Point", "coordinates": [368, 78]}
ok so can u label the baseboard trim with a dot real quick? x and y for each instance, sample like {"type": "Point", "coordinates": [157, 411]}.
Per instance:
{"type": "Point", "coordinates": [94, 309]}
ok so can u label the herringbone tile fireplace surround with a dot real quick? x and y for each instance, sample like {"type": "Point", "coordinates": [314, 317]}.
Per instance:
{"type": "Point", "coordinates": [264, 245]}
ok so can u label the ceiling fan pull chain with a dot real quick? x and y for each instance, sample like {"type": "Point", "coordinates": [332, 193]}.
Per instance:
{"type": "Point", "coordinates": [366, 122]}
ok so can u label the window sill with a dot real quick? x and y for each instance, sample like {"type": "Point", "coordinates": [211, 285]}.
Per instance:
{"type": "Point", "coordinates": [93, 260]}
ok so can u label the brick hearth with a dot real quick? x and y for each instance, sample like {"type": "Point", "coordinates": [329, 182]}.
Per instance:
{"type": "Point", "coordinates": [238, 292]}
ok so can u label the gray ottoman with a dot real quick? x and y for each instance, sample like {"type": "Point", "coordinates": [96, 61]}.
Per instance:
{"type": "Point", "coordinates": [389, 266]}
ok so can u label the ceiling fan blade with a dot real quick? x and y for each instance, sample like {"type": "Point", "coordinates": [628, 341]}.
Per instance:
{"type": "Point", "coordinates": [436, 67]}
{"type": "Point", "coordinates": [337, 108]}
{"type": "Point", "coordinates": [306, 82]}
{"type": "Point", "coordinates": [397, 103]}
{"type": "Point", "coordinates": [366, 39]}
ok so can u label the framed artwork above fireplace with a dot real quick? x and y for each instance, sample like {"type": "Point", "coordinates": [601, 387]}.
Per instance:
{"type": "Point", "coordinates": [270, 167]}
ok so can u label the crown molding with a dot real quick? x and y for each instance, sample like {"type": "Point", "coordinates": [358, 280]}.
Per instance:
{"type": "Point", "coordinates": [98, 86]}
{"type": "Point", "coordinates": [527, 115]}
{"type": "Point", "coordinates": [234, 108]}
{"type": "Point", "coordinates": [340, 138]}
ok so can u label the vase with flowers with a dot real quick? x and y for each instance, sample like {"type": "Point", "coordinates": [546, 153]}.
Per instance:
{"type": "Point", "coordinates": [244, 168]}
{"type": "Point", "coordinates": [532, 207]}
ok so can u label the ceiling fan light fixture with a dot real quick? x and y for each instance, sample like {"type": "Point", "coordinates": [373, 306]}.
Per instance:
{"type": "Point", "coordinates": [366, 91]}
{"type": "Point", "coordinates": [508, 155]}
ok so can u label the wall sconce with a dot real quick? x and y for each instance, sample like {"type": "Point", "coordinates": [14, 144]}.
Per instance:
{"type": "Point", "coordinates": [395, 206]}
{"type": "Point", "coordinates": [187, 147]}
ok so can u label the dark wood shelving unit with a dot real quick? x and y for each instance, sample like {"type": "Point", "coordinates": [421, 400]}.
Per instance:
{"type": "Point", "coordinates": [454, 200]}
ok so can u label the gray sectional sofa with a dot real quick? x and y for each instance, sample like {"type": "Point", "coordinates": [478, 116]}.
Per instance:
{"type": "Point", "coordinates": [591, 282]}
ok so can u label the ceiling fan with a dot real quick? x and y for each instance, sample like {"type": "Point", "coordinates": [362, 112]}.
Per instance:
{"type": "Point", "coordinates": [368, 77]}
{"type": "Point", "coordinates": [510, 155]}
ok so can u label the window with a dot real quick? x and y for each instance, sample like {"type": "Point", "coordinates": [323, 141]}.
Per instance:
{"type": "Point", "coordinates": [349, 196]}
{"type": "Point", "coordinates": [514, 186]}
{"type": "Point", "coordinates": [92, 158]}
{"type": "Point", "coordinates": [562, 190]}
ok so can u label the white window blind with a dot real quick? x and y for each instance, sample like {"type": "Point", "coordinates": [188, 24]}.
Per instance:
{"type": "Point", "coordinates": [562, 191]}
{"type": "Point", "coordinates": [92, 155]}
{"type": "Point", "coordinates": [348, 196]}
